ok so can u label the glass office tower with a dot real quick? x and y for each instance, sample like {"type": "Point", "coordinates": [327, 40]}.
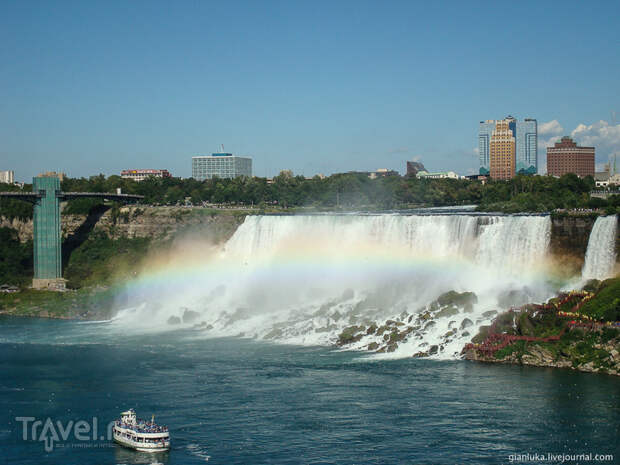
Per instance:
{"type": "Point", "coordinates": [527, 146]}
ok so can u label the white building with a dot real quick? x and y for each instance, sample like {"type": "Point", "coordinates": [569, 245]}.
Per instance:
{"type": "Point", "coordinates": [140, 175]}
{"type": "Point", "coordinates": [7, 177]}
{"type": "Point", "coordinates": [221, 165]}
{"type": "Point", "coordinates": [439, 175]}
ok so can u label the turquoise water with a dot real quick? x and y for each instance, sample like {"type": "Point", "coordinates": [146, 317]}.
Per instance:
{"type": "Point", "coordinates": [236, 401]}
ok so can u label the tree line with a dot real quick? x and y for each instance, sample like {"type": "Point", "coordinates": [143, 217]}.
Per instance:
{"type": "Point", "coordinates": [339, 191]}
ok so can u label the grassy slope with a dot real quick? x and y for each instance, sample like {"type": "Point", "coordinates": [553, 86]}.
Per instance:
{"type": "Point", "coordinates": [576, 347]}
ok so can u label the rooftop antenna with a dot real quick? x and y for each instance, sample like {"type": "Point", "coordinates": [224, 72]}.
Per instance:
{"type": "Point", "coordinates": [222, 145]}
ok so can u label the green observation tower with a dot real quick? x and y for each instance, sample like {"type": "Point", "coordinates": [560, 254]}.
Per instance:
{"type": "Point", "coordinates": [46, 197]}
{"type": "Point", "coordinates": [46, 235]}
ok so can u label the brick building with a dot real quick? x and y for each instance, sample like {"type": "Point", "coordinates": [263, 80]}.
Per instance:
{"type": "Point", "coordinates": [567, 157]}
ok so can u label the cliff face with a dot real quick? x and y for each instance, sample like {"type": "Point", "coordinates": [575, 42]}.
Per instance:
{"type": "Point", "coordinates": [569, 241]}
{"type": "Point", "coordinates": [569, 235]}
{"type": "Point", "coordinates": [133, 221]}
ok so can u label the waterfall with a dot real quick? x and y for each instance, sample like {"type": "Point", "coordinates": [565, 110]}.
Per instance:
{"type": "Point", "coordinates": [520, 242]}
{"type": "Point", "coordinates": [304, 279]}
{"type": "Point", "coordinates": [512, 243]}
{"type": "Point", "coordinates": [601, 253]}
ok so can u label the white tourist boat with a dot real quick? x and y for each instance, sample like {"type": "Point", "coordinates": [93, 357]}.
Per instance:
{"type": "Point", "coordinates": [140, 435]}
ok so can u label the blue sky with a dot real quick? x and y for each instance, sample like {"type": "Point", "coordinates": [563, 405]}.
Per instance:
{"type": "Point", "coordinates": [312, 86]}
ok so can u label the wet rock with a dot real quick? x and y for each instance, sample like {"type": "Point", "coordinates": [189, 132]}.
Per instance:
{"type": "Point", "coordinates": [489, 314]}
{"type": "Point", "coordinates": [466, 323]}
{"type": "Point", "coordinates": [452, 332]}
{"type": "Point", "coordinates": [274, 334]}
{"type": "Point", "coordinates": [174, 320]}
{"type": "Point", "coordinates": [447, 312]}
{"type": "Point", "coordinates": [465, 334]}
{"type": "Point", "coordinates": [190, 316]}
{"type": "Point", "coordinates": [537, 356]}
{"type": "Point", "coordinates": [395, 336]}
{"type": "Point", "coordinates": [457, 299]}
{"type": "Point", "coordinates": [350, 335]}
{"type": "Point", "coordinates": [433, 350]}
{"type": "Point", "coordinates": [203, 326]}
{"type": "Point", "coordinates": [392, 347]}
{"type": "Point", "coordinates": [426, 316]}
{"type": "Point", "coordinates": [373, 346]}
{"type": "Point", "coordinates": [452, 323]}
{"type": "Point", "coordinates": [372, 329]}
{"type": "Point", "coordinates": [429, 325]}
{"type": "Point", "coordinates": [381, 330]}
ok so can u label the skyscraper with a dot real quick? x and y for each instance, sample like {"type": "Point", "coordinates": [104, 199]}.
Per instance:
{"type": "Point", "coordinates": [526, 144]}
{"type": "Point", "coordinates": [502, 151]}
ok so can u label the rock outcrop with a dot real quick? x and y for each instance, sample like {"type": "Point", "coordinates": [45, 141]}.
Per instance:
{"type": "Point", "coordinates": [140, 221]}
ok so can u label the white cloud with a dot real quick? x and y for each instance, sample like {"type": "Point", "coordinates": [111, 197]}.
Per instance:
{"type": "Point", "coordinates": [548, 134]}
{"type": "Point", "coordinates": [605, 138]}
{"type": "Point", "coordinates": [551, 128]}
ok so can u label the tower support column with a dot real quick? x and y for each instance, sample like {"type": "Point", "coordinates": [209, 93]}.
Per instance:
{"type": "Point", "coordinates": [47, 235]}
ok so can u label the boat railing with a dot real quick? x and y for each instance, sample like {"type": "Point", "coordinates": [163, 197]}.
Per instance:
{"type": "Point", "coordinates": [142, 427]}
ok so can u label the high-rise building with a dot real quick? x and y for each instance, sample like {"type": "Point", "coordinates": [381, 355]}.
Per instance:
{"type": "Point", "coordinates": [140, 175]}
{"type": "Point", "coordinates": [7, 177]}
{"type": "Point", "coordinates": [413, 167]}
{"type": "Point", "coordinates": [567, 157]}
{"type": "Point", "coordinates": [220, 165]}
{"type": "Point", "coordinates": [53, 174]}
{"type": "Point", "coordinates": [526, 144]}
{"type": "Point", "coordinates": [502, 151]}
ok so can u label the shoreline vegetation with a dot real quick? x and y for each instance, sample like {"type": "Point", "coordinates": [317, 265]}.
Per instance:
{"type": "Point", "coordinates": [550, 334]}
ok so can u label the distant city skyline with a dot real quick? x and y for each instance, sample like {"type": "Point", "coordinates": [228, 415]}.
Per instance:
{"type": "Point", "coordinates": [91, 88]}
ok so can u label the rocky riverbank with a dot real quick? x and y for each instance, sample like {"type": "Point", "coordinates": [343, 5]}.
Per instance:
{"type": "Point", "coordinates": [577, 330]}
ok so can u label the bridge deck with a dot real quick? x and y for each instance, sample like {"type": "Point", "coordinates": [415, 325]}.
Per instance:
{"type": "Point", "coordinates": [103, 195]}
{"type": "Point", "coordinates": [33, 196]}
{"type": "Point", "coordinates": [27, 196]}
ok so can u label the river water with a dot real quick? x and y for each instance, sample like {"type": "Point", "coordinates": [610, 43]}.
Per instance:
{"type": "Point", "coordinates": [243, 401]}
